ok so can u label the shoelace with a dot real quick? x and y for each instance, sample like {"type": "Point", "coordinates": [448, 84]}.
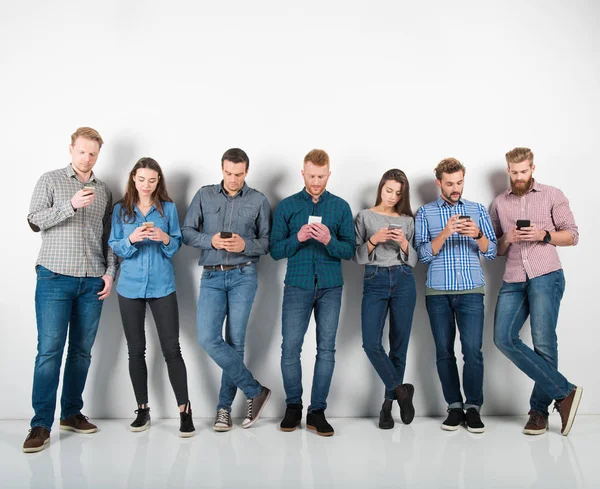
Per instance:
{"type": "Point", "coordinates": [249, 406]}
{"type": "Point", "coordinates": [223, 416]}
{"type": "Point", "coordinates": [35, 431]}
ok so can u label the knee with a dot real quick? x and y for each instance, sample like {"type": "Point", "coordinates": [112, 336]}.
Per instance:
{"type": "Point", "coordinates": [290, 351]}
{"type": "Point", "coordinates": [502, 341]}
{"type": "Point", "coordinates": [209, 342]}
{"type": "Point", "coordinates": [172, 354]}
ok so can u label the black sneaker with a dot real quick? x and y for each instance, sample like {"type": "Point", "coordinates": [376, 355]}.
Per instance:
{"type": "Point", "coordinates": [455, 418]}
{"type": "Point", "coordinates": [386, 420]}
{"type": "Point", "coordinates": [292, 418]}
{"type": "Point", "coordinates": [255, 407]}
{"type": "Point", "coordinates": [473, 421]}
{"type": "Point", "coordinates": [186, 426]}
{"type": "Point", "coordinates": [315, 421]}
{"type": "Point", "coordinates": [405, 393]}
{"type": "Point", "coordinates": [223, 420]}
{"type": "Point", "coordinates": [142, 422]}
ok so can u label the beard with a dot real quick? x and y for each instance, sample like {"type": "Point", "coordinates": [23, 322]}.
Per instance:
{"type": "Point", "coordinates": [449, 197]}
{"type": "Point", "coordinates": [521, 187]}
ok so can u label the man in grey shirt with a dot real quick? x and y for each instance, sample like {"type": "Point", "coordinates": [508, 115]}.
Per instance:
{"type": "Point", "coordinates": [75, 271]}
{"type": "Point", "coordinates": [230, 223]}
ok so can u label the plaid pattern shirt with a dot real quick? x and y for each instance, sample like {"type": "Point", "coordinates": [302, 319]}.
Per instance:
{"type": "Point", "coordinates": [74, 243]}
{"type": "Point", "coordinates": [312, 262]}
{"type": "Point", "coordinates": [456, 266]}
{"type": "Point", "coordinates": [547, 208]}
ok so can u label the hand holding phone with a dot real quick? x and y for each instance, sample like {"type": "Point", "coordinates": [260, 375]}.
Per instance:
{"type": "Point", "coordinates": [523, 223]}
{"type": "Point", "coordinates": [225, 234]}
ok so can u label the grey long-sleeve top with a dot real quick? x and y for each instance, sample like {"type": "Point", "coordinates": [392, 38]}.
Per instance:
{"type": "Point", "coordinates": [388, 253]}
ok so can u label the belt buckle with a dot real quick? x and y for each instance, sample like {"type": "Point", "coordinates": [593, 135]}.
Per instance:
{"type": "Point", "coordinates": [220, 267]}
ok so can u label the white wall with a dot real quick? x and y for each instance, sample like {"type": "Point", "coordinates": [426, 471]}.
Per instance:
{"type": "Point", "coordinates": [378, 85]}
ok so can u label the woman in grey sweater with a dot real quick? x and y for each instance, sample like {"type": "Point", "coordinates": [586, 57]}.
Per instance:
{"type": "Point", "coordinates": [384, 235]}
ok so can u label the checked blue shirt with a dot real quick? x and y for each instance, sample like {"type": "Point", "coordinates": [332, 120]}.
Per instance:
{"type": "Point", "coordinates": [456, 266]}
{"type": "Point", "coordinates": [312, 260]}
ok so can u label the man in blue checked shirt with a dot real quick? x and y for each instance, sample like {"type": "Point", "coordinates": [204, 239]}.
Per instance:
{"type": "Point", "coordinates": [314, 230]}
{"type": "Point", "coordinates": [451, 234]}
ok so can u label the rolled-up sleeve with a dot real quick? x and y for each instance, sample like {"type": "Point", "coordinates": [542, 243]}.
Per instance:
{"type": "Point", "coordinates": [422, 237]}
{"type": "Point", "coordinates": [563, 216]}
{"type": "Point", "coordinates": [485, 224]}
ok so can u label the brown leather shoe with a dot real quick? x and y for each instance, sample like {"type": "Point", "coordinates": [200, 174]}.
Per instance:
{"type": "Point", "coordinates": [36, 440]}
{"type": "Point", "coordinates": [567, 408]}
{"type": "Point", "coordinates": [79, 424]}
{"type": "Point", "coordinates": [537, 424]}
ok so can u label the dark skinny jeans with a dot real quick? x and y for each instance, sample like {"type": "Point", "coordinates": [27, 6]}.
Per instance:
{"type": "Point", "coordinates": [166, 317]}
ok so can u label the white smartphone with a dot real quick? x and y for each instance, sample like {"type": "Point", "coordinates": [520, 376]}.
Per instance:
{"type": "Point", "coordinates": [392, 226]}
{"type": "Point", "coordinates": [313, 219]}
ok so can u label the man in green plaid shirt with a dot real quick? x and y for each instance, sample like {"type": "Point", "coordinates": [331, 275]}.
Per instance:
{"type": "Point", "coordinates": [314, 230]}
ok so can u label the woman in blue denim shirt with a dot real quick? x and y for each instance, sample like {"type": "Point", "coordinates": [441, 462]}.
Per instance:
{"type": "Point", "coordinates": [145, 233]}
{"type": "Point", "coordinates": [384, 235]}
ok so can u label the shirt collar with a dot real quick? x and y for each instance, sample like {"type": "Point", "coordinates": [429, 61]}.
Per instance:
{"type": "Point", "coordinates": [71, 173]}
{"type": "Point", "coordinates": [220, 189]}
{"type": "Point", "coordinates": [306, 196]}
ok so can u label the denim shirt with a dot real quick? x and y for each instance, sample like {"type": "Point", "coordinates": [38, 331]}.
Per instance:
{"type": "Point", "coordinates": [212, 210]}
{"type": "Point", "coordinates": [146, 271]}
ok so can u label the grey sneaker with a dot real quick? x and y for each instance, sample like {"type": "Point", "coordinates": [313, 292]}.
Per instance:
{"type": "Point", "coordinates": [255, 407]}
{"type": "Point", "coordinates": [223, 420]}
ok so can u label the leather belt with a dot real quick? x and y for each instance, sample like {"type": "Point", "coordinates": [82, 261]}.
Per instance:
{"type": "Point", "coordinates": [225, 268]}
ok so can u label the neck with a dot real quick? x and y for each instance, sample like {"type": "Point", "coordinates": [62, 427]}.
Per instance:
{"type": "Point", "coordinates": [145, 201]}
{"type": "Point", "coordinates": [82, 177]}
{"type": "Point", "coordinates": [449, 201]}
{"type": "Point", "coordinates": [383, 209]}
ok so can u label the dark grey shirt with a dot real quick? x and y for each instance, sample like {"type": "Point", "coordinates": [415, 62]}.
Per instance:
{"type": "Point", "coordinates": [212, 210]}
{"type": "Point", "coordinates": [388, 253]}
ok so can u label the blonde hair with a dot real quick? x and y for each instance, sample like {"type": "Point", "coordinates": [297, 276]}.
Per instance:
{"type": "Point", "coordinates": [519, 155]}
{"type": "Point", "coordinates": [87, 133]}
{"type": "Point", "coordinates": [317, 157]}
{"type": "Point", "coordinates": [448, 165]}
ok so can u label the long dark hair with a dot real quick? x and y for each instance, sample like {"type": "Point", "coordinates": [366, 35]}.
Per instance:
{"type": "Point", "coordinates": [131, 194]}
{"type": "Point", "coordinates": [403, 205]}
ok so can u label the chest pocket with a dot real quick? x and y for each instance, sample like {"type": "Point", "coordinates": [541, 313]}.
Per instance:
{"type": "Point", "coordinates": [248, 212]}
{"type": "Point", "coordinates": [210, 214]}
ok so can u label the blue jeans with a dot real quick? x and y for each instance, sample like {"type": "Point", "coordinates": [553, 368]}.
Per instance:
{"type": "Point", "coordinates": [539, 298]}
{"type": "Point", "coordinates": [228, 295]}
{"type": "Point", "coordinates": [63, 304]}
{"type": "Point", "coordinates": [297, 308]}
{"type": "Point", "coordinates": [393, 289]}
{"type": "Point", "coordinates": [446, 313]}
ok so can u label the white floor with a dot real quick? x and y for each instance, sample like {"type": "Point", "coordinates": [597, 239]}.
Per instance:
{"type": "Point", "coordinates": [359, 456]}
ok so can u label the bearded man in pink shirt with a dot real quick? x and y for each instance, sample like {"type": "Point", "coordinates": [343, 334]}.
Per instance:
{"type": "Point", "coordinates": [530, 221]}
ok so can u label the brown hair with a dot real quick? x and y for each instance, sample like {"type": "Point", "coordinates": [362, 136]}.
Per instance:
{"type": "Point", "coordinates": [448, 165]}
{"type": "Point", "coordinates": [519, 155]}
{"type": "Point", "coordinates": [403, 205]}
{"type": "Point", "coordinates": [317, 157]}
{"type": "Point", "coordinates": [87, 133]}
{"type": "Point", "coordinates": [131, 194]}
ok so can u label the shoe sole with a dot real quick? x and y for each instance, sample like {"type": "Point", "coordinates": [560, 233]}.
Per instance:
{"type": "Point", "coordinates": [534, 432]}
{"type": "Point", "coordinates": [187, 434]}
{"type": "Point", "coordinates": [320, 433]}
{"type": "Point", "coordinates": [250, 423]}
{"type": "Point", "coordinates": [446, 427]}
{"type": "Point", "coordinates": [137, 429]}
{"type": "Point", "coordinates": [476, 430]}
{"type": "Point", "coordinates": [77, 430]}
{"type": "Point", "coordinates": [573, 412]}
{"type": "Point", "coordinates": [221, 429]}
{"type": "Point", "coordinates": [289, 430]}
{"type": "Point", "coordinates": [407, 410]}
{"type": "Point", "coordinates": [36, 449]}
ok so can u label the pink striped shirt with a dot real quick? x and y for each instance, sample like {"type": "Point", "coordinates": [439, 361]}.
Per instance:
{"type": "Point", "coordinates": [547, 208]}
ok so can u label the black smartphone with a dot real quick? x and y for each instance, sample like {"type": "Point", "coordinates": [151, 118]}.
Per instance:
{"type": "Point", "coordinates": [226, 234]}
{"type": "Point", "coordinates": [523, 223]}
{"type": "Point", "coordinates": [464, 218]}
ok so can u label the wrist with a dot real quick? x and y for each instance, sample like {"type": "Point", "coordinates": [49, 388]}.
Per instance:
{"type": "Point", "coordinates": [371, 241]}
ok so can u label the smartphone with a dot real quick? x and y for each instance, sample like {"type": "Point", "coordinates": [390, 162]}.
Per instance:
{"type": "Point", "coordinates": [148, 224]}
{"type": "Point", "coordinates": [226, 234]}
{"type": "Point", "coordinates": [312, 219]}
{"type": "Point", "coordinates": [391, 227]}
{"type": "Point", "coordinates": [89, 189]}
{"type": "Point", "coordinates": [523, 223]}
{"type": "Point", "coordinates": [464, 218]}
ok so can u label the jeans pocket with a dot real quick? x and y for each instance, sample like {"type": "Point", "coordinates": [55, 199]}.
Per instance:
{"type": "Point", "coordinates": [207, 274]}
{"type": "Point", "coordinates": [370, 272]}
{"type": "Point", "coordinates": [248, 270]}
{"type": "Point", "coordinates": [407, 270]}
